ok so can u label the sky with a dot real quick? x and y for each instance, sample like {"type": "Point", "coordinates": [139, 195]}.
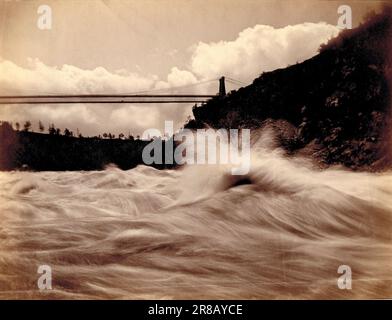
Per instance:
{"type": "Point", "coordinates": [119, 46]}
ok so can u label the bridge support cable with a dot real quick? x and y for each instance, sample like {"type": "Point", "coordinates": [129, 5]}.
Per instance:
{"type": "Point", "coordinates": [141, 97]}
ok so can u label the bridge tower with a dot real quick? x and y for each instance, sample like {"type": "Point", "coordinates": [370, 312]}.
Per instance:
{"type": "Point", "coordinates": [222, 88]}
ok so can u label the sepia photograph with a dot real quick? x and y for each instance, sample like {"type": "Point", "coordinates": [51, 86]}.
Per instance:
{"type": "Point", "coordinates": [200, 150]}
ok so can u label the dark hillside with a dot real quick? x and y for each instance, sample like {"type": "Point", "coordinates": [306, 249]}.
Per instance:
{"type": "Point", "coordinates": [47, 152]}
{"type": "Point", "coordinates": [336, 103]}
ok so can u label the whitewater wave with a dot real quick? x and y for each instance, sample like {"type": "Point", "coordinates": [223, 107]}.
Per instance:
{"type": "Point", "coordinates": [282, 231]}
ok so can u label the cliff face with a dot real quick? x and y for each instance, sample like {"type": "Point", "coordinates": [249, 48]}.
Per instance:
{"type": "Point", "coordinates": [335, 105]}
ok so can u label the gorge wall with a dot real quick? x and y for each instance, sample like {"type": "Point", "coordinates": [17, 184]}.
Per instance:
{"type": "Point", "coordinates": [334, 106]}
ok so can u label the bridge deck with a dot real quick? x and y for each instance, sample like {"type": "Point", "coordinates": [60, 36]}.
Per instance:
{"type": "Point", "coordinates": [104, 98]}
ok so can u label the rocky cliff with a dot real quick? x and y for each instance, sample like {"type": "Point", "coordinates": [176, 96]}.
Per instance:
{"type": "Point", "coordinates": [334, 106]}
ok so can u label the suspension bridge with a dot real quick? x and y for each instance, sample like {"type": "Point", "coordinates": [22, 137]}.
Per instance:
{"type": "Point", "coordinates": [149, 96]}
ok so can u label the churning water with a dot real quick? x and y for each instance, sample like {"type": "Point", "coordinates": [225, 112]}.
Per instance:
{"type": "Point", "coordinates": [199, 232]}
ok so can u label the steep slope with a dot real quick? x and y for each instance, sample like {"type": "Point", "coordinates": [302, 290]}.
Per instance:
{"type": "Point", "coordinates": [334, 105]}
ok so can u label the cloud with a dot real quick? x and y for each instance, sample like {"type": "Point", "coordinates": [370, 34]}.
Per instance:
{"type": "Point", "coordinates": [255, 50]}
{"type": "Point", "coordinates": [177, 78]}
{"type": "Point", "coordinates": [258, 49]}
{"type": "Point", "coordinates": [141, 116]}
{"type": "Point", "coordinates": [40, 78]}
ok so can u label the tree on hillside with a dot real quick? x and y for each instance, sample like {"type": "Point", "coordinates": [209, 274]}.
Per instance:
{"type": "Point", "coordinates": [68, 133]}
{"type": "Point", "coordinates": [41, 126]}
{"type": "Point", "coordinates": [5, 126]}
{"type": "Point", "coordinates": [27, 126]}
{"type": "Point", "coordinates": [17, 126]}
{"type": "Point", "coordinates": [121, 136]}
{"type": "Point", "coordinates": [52, 129]}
